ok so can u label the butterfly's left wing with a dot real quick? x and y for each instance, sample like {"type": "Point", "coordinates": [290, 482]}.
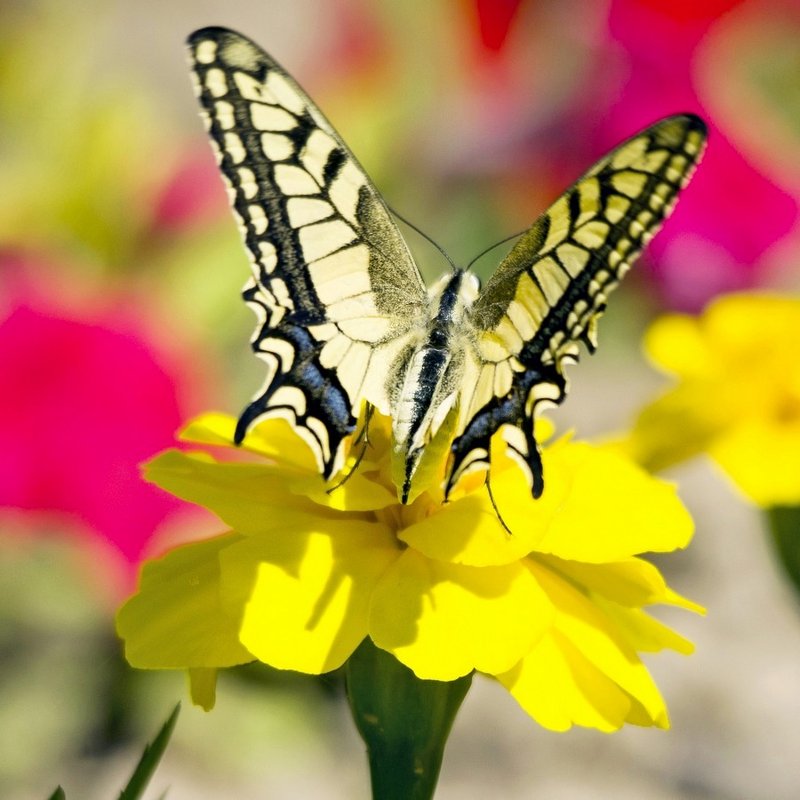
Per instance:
{"type": "Point", "coordinates": [548, 293]}
{"type": "Point", "coordinates": [334, 285]}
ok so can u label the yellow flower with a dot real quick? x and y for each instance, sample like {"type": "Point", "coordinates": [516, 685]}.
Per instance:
{"type": "Point", "coordinates": [737, 397]}
{"type": "Point", "coordinates": [552, 610]}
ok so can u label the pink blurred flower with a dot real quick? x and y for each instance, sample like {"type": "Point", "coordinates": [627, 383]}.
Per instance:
{"type": "Point", "coordinates": [85, 398]}
{"type": "Point", "coordinates": [687, 12]}
{"type": "Point", "coordinates": [193, 195]}
{"type": "Point", "coordinates": [731, 213]}
{"type": "Point", "coordinates": [355, 41]}
{"type": "Point", "coordinates": [631, 63]}
{"type": "Point", "coordinates": [494, 18]}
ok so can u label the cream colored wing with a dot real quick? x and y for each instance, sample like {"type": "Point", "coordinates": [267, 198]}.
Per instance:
{"type": "Point", "coordinates": [334, 285]}
{"type": "Point", "coordinates": [548, 293]}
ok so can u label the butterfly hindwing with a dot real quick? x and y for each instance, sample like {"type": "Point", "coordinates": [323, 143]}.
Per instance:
{"type": "Point", "coordinates": [334, 285]}
{"type": "Point", "coordinates": [548, 293]}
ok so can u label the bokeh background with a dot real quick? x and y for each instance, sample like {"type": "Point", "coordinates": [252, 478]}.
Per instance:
{"type": "Point", "coordinates": [120, 272]}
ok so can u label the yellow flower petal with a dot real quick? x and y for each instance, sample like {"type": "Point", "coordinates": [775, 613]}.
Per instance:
{"type": "Point", "coordinates": [444, 620]}
{"type": "Point", "coordinates": [632, 582]}
{"type": "Point", "coordinates": [176, 620]}
{"type": "Point", "coordinates": [306, 592]}
{"type": "Point", "coordinates": [358, 492]}
{"type": "Point", "coordinates": [466, 532]}
{"type": "Point", "coordinates": [613, 510]}
{"type": "Point", "coordinates": [251, 498]}
{"type": "Point", "coordinates": [644, 633]}
{"type": "Point", "coordinates": [749, 325]}
{"type": "Point", "coordinates": [763, 461]}
{"type": "Point", "coordinates": [560, 688]}
{"type": "Point", "coordinates": [274, 438]}
{"type": "Point", "coordinates": [672, 598]}
{"type": "Point", "coordinates": [584, 625]}
{"type": "Point", "coordinates": [739, 396]}
{"type": "Point", "coordinates": [676, 426]}
{"type": "Point", "coordinates": [212, 427]}
{"type": "Point", "coordinates": [203, 687]}
{"type": "Point", "coordinates": [675, 343]}
{"type": "Point", "coordinates": [621, 589]}
{"type": "Point", "coordinates": [469, 530]}
{"type": "Point", "coordinates": [530, 520]}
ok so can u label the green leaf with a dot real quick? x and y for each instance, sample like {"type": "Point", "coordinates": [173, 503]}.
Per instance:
{"type": "Point", "coordinates": [149, 760]}
{"type": "Point", "coordinates": [784, 523]}
{"type": "Point", "coordinates": [58, 794]}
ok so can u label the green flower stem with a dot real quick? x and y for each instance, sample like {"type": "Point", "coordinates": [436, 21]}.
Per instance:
{"type": "Point", "coordinates": [403, 720]}
{"type": "Point", "coordinates": [784, 523]}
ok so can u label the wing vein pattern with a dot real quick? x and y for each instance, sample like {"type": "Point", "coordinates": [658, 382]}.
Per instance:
{"type": "Point", "coordinates": [334, 286]}
{"type": "Point", "coordinates": [548, 293]}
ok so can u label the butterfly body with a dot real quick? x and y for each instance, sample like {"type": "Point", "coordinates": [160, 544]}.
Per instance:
{"type": "Point", "coordinates": [344, 318]}
{"type": "Point", "coordinates": [425, 380]}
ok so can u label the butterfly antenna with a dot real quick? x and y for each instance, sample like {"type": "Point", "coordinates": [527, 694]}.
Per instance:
{"type": "Point", "coordinates": [496, 509]}
{"type": "Point", "coordinates": [496, 244]}
{"type": "Point", "coordinates": [362, 437]}
{"type": "Point", "coordinates": [425, 236]}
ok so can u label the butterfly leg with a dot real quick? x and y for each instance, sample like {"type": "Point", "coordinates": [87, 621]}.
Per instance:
{"type": "Point", "coordinates": [494, 506]}
{"type": "Point", "coordinates": [362, 438]}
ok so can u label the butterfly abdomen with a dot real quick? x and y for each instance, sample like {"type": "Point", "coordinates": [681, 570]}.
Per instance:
{"type": "Point", "coordinates": [432, 371]}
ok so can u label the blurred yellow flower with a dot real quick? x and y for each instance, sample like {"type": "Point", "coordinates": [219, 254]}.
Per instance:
{"type": "Point", "coordinates": [552, 610]}
{"type": "Point", "coordinates": [737, 397]}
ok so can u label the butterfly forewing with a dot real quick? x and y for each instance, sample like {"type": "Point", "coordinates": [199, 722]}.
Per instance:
{"type": "Point", "coordinates": [547, 294]}
{"type": "Point", "coordinates": [334, 285]}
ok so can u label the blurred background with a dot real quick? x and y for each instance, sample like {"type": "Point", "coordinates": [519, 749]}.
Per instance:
{"type": "Point", "coordinates": [120, 317]}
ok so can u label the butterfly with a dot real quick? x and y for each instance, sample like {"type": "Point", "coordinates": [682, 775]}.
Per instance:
{"type": "Point", "coordinates": [345, 321]}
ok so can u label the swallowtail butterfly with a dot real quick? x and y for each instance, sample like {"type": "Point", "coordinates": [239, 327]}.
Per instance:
{"type": "Point", "coordinates": [345, 321]}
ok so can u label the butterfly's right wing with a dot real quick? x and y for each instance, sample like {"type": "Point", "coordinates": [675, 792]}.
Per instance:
{"type": "Point", "coordinates": [334, 285]}
{"type": "Point", "coordinates": [548, 293]}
